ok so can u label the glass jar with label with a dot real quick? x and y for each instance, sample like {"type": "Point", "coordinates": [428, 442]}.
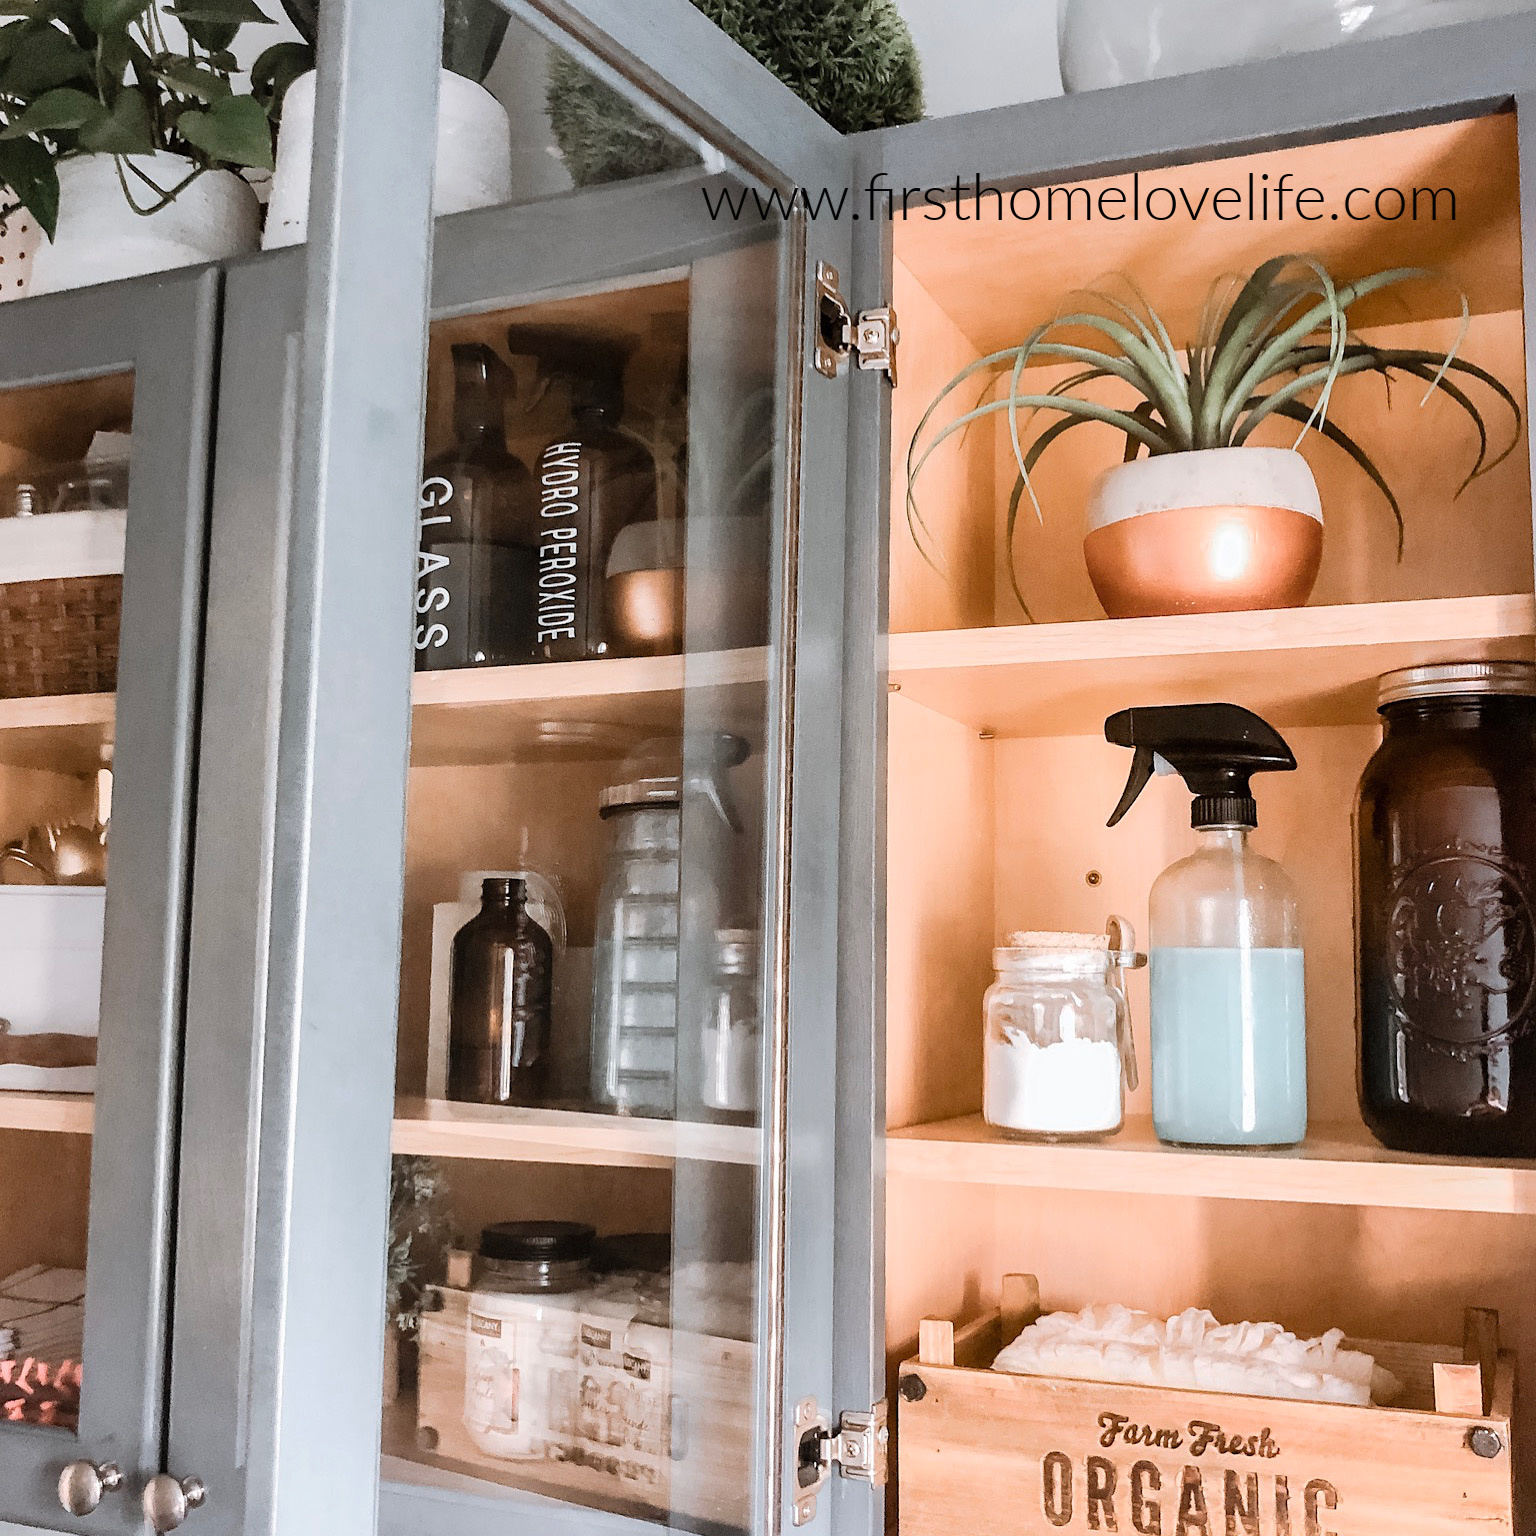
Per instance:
{"type": "Point", "coordinates": [1445, 830]}
{"type": "Point", "coordinates": [523, 1337]}
{"type": "Point", "coordinates": [1058, 1051]}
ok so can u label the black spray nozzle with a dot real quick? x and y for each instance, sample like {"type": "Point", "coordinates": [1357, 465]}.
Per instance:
{"type": "Point", "coordinates": [1215, 748]}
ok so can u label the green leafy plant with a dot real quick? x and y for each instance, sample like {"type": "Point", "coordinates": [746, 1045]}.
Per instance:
{"type": "Point", "coordinates": [473, 32]}
{"type": "Point", "coordinates": [84, 77]}
{"type": "Point", "coordinates": [853, 61]}
{"type": "Point", "coordinates": [420, 1232]}
{"type": "Point", "coordinates": [1272, 346]}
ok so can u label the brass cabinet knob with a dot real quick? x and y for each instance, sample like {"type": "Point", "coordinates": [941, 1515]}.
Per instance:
{"type": "Point", "coordinates": [169, 1500]}
{"type": "Point", "coordinates": [83, 1484]}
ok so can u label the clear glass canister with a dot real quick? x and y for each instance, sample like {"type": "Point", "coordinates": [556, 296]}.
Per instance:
{"type": "Point", "coordinates": [522, 1339]}
{"type": "Point", "coordinates": [1058, 1052]}
{"type": "Point", "coordinates": [732, 1038]}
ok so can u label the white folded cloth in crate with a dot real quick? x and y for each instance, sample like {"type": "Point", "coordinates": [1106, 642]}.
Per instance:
{"type": "Point", "coordinates": [1115, 1344]}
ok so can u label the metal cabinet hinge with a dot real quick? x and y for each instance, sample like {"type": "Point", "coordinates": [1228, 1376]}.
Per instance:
{"type": "Point", "coordinates": [870, 336]}
{"type": "Point", "coordinates": [857, 1448]}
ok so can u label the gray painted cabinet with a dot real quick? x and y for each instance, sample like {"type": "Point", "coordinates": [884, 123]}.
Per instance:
{"type": "Point", "coordinates": [292, 795]}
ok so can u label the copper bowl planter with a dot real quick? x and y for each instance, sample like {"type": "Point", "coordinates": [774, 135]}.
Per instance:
{"type": "Point", "coordinates": [1212, 531]}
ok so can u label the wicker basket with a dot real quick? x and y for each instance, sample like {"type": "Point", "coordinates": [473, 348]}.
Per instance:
{"type": "Point", "coordinates": [59, 636]}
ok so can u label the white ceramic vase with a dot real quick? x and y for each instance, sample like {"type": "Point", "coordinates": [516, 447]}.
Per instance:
{"type": "Point", "coordinates": [100, 238]}
{"type": "Point", "coordinates": [1116, 42]}
{"type": "Point", "coordinates": [474, 156]}
{"type": "Point", "coordinates": [19, 239]}
{"type": "Point", "coordinates": [1214, 531]}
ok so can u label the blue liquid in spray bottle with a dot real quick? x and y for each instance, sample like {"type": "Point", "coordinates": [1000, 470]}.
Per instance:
{"type": "Point", "coordinates": [1228, 1025]}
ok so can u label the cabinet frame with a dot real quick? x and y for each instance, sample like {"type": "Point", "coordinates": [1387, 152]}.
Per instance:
{"type": "Point", "coordinates": [299, 914]}
{"type": "Point", "coordinates": [1354, 90]}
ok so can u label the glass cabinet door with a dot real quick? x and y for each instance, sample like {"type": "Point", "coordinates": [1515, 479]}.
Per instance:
{"type": "Point", "coordinates": [550, 780]}
{"type": "Point", "coordinates": [105, 410]}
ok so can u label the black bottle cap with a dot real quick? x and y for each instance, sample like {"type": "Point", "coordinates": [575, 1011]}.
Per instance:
{"type": "Point", "coordinates": [538, 1242]}
{"type": "Point", "coordinates": [503, 891]}
{"type": "Point", "coordinates": [1224, 811]}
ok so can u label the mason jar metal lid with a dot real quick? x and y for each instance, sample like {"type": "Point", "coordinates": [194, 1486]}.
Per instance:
{"type": "Point", "coordinates": [661, 793]}
{"type": "Point", "coordinates": [1449, 678]}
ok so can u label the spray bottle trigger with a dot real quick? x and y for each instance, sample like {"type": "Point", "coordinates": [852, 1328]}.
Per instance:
{"type": "Point", "coordinates": [1143, 765]}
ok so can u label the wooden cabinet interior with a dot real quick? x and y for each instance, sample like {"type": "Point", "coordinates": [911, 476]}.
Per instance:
{"type": "Point", "coordinates": [1000, 781]}
{"type": "Point", "coordinates": [507, 768]}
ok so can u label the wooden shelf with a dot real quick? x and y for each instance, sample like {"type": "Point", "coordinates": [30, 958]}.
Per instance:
{"type": "Point", "coordinates": [63, 734]}
{"type": "Point", "coordinates": [1337, 1165]}
{"type": "Point", "coordinates": [1295, 666]}
{"type": "Point", "coordinates": [501, 714]}
{"type": "Point", "coordinates": [435, 1128]}
{"type": "Point", "coordinates": [71, 1114]}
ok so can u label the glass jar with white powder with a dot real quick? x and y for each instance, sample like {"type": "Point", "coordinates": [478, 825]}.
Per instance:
{"type": "Point", "coordinates": [1058, 1034]}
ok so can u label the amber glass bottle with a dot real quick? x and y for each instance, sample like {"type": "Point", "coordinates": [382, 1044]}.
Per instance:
{"type": "Point", "coordinates": [498, 1047]}
{"type": "Point", "coordinates": [476, 570]}
{"type": "Point", "coordinates": [1446, 845]}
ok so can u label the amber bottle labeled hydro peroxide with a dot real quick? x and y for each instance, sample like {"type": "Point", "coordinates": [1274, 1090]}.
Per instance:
{"type": "Point", "coordinates": [1446, 845]}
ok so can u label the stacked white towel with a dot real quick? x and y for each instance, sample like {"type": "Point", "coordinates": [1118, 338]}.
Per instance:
{"type": "Point", "coordinates": [1115, 1344]}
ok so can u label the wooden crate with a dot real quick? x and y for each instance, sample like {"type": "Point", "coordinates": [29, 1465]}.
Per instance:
{"type": "Point", "coordinates": [981, 1453]}
{"type": "Point", "coordinates": [691, 1464]}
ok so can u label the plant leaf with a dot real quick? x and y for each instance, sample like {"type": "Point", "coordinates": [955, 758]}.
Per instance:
{"type": "Point", "coordinates": [1335, 434]}
{"type": "Point", "coordinates": [275, 71]}
{"type": "Point", "coordinates": [234, 131]}
{"type": "Point", "coordinates": [125, 130]}
{"type": "Point", "coordinates": [43, 58]}
{"type": "Point", "coordinates": [190, 78]}
{"type": "Point", "coordinates": [305, 15]}
{"type": "Point", "coordinates": [230, 13]}
{"type": "Point", "coordinates": [112, 15]}
{"type": "Point", "coordinates": [27, 168]}
{"type": "Point", "coordinates": [62, 107]}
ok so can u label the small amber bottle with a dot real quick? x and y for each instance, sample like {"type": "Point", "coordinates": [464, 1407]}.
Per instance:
{"type": "Point", "coordinates": [498, 1049]}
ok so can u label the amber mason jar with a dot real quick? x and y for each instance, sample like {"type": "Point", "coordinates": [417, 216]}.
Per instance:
{"type": "Point", "coordinates": [1445, 830]}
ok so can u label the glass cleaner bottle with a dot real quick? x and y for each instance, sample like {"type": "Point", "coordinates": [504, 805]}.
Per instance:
{"type": "Point", "coordinates": [1228, 1010]}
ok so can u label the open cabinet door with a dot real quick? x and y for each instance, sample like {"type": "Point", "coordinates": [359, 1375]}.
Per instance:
{"type": "Point", "coordinates": [106, 401]}
{"type": "Point", "coordinates": [648, 791]}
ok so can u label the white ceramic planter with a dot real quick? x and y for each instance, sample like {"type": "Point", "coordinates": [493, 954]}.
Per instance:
{"type": "Point", "coordinates": [474, 156]}
{"type": "Point", "coordinates": [1216, 531]}
{"type": "Point", "coordinates": [100, 238]}
{"type": "Point", "coordinates": [1116, 42]}
{"type": "Point", "coordinates": [19, 240]}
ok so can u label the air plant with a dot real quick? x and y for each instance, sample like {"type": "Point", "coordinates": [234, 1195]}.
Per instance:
{"type": "Point", "coordinates": [1274, 350]}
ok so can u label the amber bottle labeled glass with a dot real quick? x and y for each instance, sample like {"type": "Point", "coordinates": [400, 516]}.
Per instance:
{"type": "Point", "coordinates": [498, 1043]}
{"type": "Point", "coordinates": [1445, 832]}
{"type": "Point", "coordinates": [477, 566]}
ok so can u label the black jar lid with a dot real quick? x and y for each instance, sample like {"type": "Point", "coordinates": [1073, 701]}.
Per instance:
{"type": "Point", "coordinates": [645, 1253]}
{"type": "Point", "coordinates": [1458, 679]}
{"type": "Point", "coordinates": [537, 1242]}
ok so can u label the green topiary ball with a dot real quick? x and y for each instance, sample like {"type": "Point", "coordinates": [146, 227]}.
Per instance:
{"type": "Point", "coordinates": [852, 61]}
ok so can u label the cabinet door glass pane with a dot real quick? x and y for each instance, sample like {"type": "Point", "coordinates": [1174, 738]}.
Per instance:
{"type": "Point", "coordinates": [64, 470]}
{"type": "Point", "coordinates": [589, 986]}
